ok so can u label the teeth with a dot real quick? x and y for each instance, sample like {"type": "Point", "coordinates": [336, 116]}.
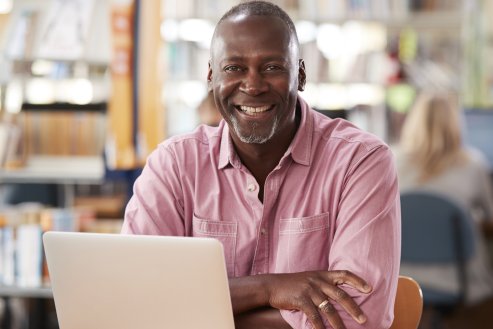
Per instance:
{"type": "Point", "coordinates": [249, 109]}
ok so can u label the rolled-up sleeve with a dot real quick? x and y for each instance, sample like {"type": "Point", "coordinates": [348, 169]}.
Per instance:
{"type": "Point", "coordinates": [366, 240]}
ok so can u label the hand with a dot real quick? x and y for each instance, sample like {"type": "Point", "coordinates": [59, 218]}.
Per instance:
{"type": "Point", "coordinates": [305, 291]}
{"type": "Point", "coordinates": [261, 318]}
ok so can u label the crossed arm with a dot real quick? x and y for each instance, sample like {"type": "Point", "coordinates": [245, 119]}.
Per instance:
{"type": "Point", "coordinates": [258, 299]}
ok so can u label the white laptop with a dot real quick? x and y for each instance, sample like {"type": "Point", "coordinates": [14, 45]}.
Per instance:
{"type": "Point", "coordinates": [111, 281]}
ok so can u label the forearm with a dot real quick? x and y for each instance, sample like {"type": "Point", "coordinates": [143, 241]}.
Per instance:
{"type": "Point", "coordinates": [264, 318]}
{"type": "Point", "coordinates": [248, 293]}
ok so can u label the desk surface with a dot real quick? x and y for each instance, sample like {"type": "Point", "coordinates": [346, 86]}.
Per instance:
{"type": "Point", "coordinates": [14, 291]}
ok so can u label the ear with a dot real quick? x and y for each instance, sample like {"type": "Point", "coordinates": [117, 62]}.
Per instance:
{"type": "Point", "coordinates": [301, 75]}
{"type": "Point", "coordinates": [209, 77]}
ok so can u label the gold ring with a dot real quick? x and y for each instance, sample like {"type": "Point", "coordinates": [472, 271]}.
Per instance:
{"type": "Point", "coordinates": [323, 304]}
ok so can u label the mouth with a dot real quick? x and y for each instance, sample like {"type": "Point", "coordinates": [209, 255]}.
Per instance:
{"type": "Point", "coordinates": [253, 110]}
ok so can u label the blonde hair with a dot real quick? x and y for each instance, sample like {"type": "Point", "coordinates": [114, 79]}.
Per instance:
{"type": "Point", "coordinates": [431, 136]}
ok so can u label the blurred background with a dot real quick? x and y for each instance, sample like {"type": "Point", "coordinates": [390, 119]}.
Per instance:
{"type": "Point", "coordinates": [88, 88]}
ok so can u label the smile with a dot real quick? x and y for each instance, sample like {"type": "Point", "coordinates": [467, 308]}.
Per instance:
{"type": "Point", "coordinates": [253, 110]}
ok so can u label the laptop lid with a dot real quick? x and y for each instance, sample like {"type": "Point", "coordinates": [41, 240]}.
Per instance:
{"type": "Point", "coordinates": [103, 281]}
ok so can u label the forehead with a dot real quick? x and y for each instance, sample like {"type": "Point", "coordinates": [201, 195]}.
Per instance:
{"type": "Point", "coordinates": [243, 34]}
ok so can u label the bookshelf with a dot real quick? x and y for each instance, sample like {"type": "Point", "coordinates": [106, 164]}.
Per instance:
{"type": "Point", "coordinates": [478, 51]}
{"type": "Point", "coordinates": [424, 38]}
{"type": "Point", "coordinates": [23, 270]}
{"type": "Point", "coordinates": [55, 89]}
{"type": "Point", "coordinates": [55, 110]}
{"type": "Point", "coordinates": [63, 120]}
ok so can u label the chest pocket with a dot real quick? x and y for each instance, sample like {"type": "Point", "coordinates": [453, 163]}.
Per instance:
{"type": "Point", "coordinates": [303, 244]}
{"type": "Point", "coordinates": [225, 232]}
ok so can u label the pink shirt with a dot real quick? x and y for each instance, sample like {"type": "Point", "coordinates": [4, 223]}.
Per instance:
{"type": "Point", "coordinates": [331, 203]}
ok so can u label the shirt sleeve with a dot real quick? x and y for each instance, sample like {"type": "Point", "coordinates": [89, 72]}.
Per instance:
{"type": "Point", "coordinates": [367, 240]}
{"type": "Point", "coordinates": [156, 206]}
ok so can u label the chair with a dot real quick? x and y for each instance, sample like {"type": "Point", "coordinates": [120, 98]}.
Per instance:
{"type": "Point", "coordinates": [408, 304]}
{"type": "Point", "coordinates": [437, 231]}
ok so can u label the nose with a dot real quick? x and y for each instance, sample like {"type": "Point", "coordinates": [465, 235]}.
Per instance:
{"type": "Point", "coordinates": [253, 83]}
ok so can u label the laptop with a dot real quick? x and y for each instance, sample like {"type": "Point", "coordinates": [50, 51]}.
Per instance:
{"type": "Point", "coordinates": [103, 281]}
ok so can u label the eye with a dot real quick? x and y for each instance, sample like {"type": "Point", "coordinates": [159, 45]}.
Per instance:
{"type": "Point", "coordinates": [273, 68]}
{"type": "Point", "coordinates": [232, 68]}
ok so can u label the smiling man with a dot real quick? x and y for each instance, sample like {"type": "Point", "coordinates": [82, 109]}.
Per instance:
{"type": "Point", "coordinates": [307, 207]}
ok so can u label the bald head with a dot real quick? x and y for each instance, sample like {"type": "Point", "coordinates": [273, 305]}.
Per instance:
{"type": "Point", "coordinates": [259, 8]}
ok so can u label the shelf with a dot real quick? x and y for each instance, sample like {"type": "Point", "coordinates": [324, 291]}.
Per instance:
{"type": "Point", "coordinates": [92, 107]}
{"type": "Point", "coordinates": [447, 21]}
{"type": "Point", "coordinates": [57, 169]}
{"type": "Point", "coordinates": [30, 60]}
{"type": "Point", "coordinates": [14, 291]}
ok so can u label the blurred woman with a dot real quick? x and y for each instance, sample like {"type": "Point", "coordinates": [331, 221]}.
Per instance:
{"type": "Point", "coordinates": [431, 157]}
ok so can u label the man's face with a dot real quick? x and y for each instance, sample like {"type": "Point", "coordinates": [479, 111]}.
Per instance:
{"type": "Point", "coordinates": [255, 72]}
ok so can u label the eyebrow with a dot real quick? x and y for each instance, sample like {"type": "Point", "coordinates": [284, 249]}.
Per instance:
{"type": "Point", "coordinates": [267, 59]}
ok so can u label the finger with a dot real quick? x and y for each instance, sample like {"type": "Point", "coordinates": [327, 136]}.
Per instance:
{"type": "Point", "coordinates": [328, 310]}
{"type": "Point", "coordinates": [340, 277]}
{"type": "Point", "coordinates": [341, 297]}
{"type": "Point", "coordinates": [325, 307]}
{"type": "Point", "coordinates": [312, 313]}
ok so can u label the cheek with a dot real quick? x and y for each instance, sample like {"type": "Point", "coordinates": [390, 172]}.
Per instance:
{"type": "Point", "coordinates": [222, 91]}
{"type": "Point", "coordinates": [225, 87]}
{"type": "Point", "coordinates": [284, 82]}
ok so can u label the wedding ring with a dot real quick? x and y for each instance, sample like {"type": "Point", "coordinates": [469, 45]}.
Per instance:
{"type": "Point", "coordinates": [323, 304]}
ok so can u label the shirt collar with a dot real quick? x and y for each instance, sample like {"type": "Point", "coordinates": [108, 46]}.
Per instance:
{"type": "Point", "coordinates": [227, 153]}
{"type": "Point", "coordinates": [301, 146]}
{"type": "Point", "coordinates": [299, 149]}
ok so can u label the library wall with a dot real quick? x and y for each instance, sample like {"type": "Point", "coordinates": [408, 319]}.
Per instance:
{"type": "Point", "coordinates": [61, 110]}
{"type": "Point", "coordinates": [367, 58]}
{"type": "Point", "coordinates": [72, 121]}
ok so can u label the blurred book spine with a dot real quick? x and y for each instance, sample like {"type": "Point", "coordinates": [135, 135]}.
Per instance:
{"type": "Point", "coordinates": [22, 261]}
{"type": "Point", "coordinates": [7, 249]}
{"type": "Point", "coordinates": [12, 144]}
{"type": "Point", "coordinates": [28, 255]}
{"type": "Point", "coordinates": [65, 133]}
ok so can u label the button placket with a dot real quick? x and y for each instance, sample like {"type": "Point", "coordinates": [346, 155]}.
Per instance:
{"type": "Point", "coordinates": [251, 187]}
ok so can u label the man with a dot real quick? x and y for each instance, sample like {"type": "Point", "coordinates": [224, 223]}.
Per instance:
{"type": "Point", "coordinates": [305, 206]}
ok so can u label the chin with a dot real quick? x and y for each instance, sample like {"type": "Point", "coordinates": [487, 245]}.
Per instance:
{"type": "Point", "coordinates": [254, 139]}
{"type": "Point", "coordinates": [252, 134]}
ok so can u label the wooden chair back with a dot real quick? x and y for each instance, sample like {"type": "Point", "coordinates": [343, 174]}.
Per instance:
{"type": "Point", "coordinates": [408, 304]}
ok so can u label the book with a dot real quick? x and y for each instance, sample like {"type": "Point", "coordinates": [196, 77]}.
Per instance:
{"type": "Point", "coordinates": [8, 257]}
{"type": "Point", "coordinates": [4, 138]}
{"type": "Point", "coordinates": [29, 256]}
{"type": "Point", "coordinates": [2, 225]}
{"type": "Point", "coordinates": [14, 154]}
{"type": "Point", "coordinates": [65, 29]}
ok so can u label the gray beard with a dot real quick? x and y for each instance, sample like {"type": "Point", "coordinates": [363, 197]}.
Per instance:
{"type": "Point", "coordinates": [253, 138]}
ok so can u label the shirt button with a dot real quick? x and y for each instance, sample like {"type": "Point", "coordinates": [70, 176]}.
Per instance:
{"type": "Point", "coordinates": [251, 187]}
{"type": "Point", "coordinates": [263, 231]}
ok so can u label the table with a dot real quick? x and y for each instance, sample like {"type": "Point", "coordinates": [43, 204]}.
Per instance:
{"type": "Point", "coordinates": [37, 315]}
